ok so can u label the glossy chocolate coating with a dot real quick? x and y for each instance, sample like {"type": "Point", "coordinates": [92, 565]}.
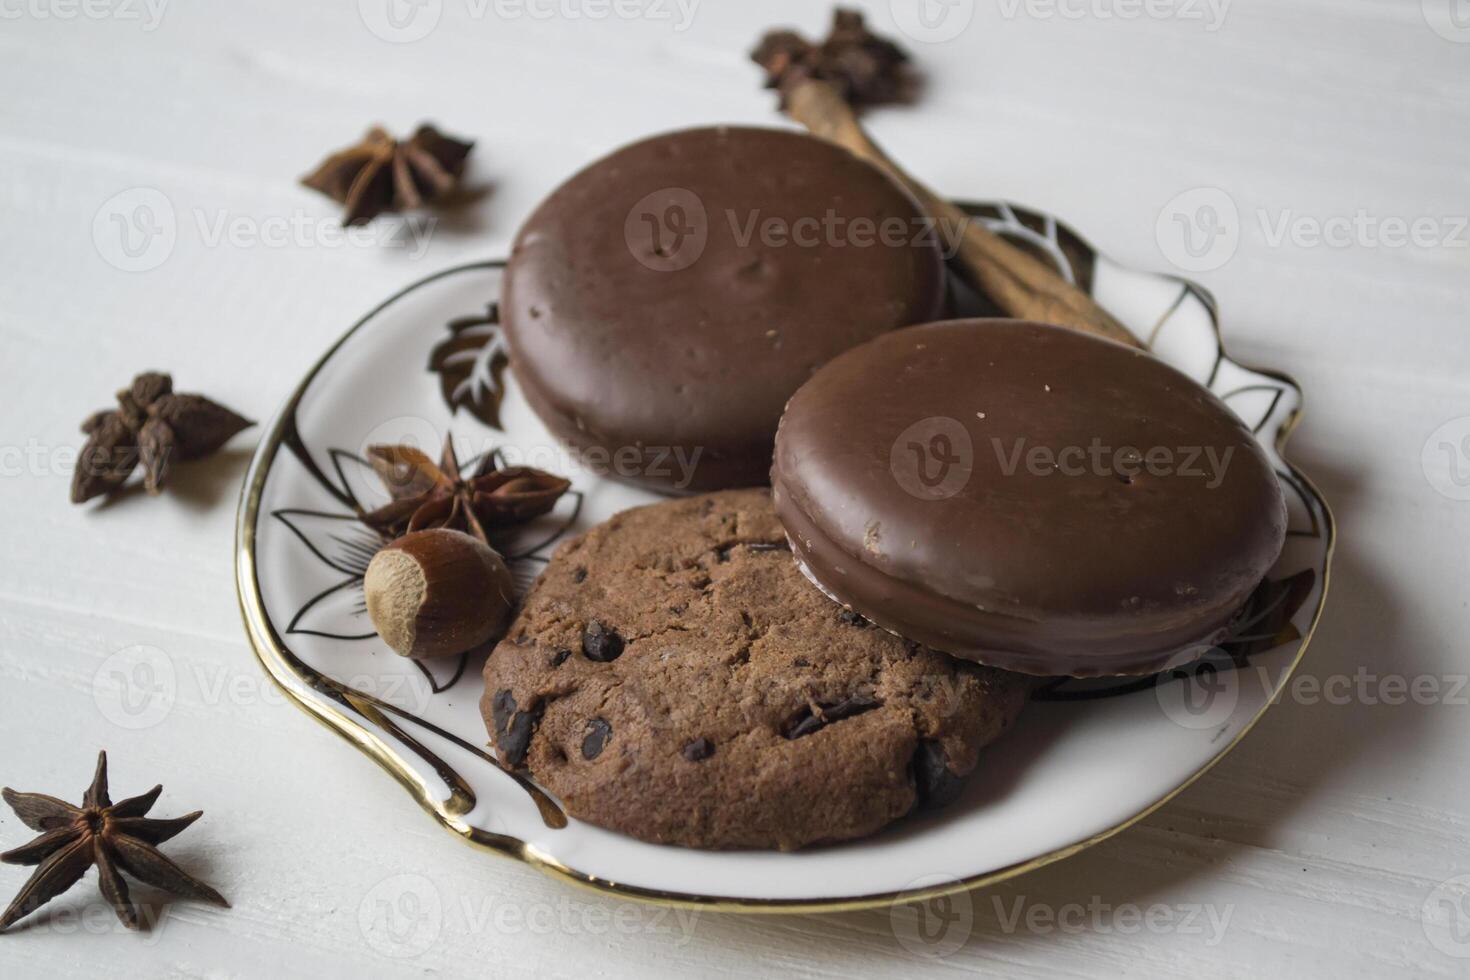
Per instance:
{"type": "Point", "coordinates": [647, 305]}
{"type": "Point", "coordinates": [898, 477]}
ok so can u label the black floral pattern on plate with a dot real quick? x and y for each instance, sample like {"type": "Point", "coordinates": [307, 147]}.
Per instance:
{"type": "Point", "coordinates": [341, 541]}
{"type": "Point", "coordinates": [471, 364]}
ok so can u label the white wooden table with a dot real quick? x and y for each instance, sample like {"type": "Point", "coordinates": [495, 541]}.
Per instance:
{"type": "Point", "coordinates": [1319, 847]}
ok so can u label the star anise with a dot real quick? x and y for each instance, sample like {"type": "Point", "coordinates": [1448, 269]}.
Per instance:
{"type": "Point", "coordinates": [383, 174]}
{"type": "Point", "coordinates": [865, 68]}
{"type": "Point", "coordinates": [151, 426]}
{"type": "Point", "coordinates": [116, 837]}
{"type": "Point", "coordinates": [426, 495]}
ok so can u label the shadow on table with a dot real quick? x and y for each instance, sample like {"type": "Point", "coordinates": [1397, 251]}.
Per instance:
{"type": "Point", "coordinates": [82, 908]}
{"type": "Point", "coordinates": [459, 215]}
{"type": "Point", "coordinates": [1301, 744]}
{"type": "Point", "coordinates": [200, 484]}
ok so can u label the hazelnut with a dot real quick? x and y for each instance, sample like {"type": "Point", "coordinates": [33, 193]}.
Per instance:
{"type": "Point", "coordinates": [437, 593]}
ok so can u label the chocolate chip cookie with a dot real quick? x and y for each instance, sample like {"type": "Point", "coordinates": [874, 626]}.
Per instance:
{"type": "Point", "coordinates": [674, 677]}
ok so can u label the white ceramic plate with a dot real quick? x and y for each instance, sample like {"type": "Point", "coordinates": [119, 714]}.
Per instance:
{"type": "Point", "coordinates": [1084, 762]}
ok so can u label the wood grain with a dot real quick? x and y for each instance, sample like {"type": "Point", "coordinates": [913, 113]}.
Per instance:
{"type": "Point", "coordinates": [1326, 831]}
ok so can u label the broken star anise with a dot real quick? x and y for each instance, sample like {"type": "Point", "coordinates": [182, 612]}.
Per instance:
{"type": "Point", "coordinates": [151, 426]}
{"type": "Point", "coordinates": [865, 68]}
{"type": "Point", "coordinates": [116, 837]}
{"type": "Point", "coordinates": [426, 495]}
{"type": "Point", "coordinates": [384, 174]}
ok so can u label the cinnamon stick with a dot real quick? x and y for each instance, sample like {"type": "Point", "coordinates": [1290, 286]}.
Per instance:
{"type": "Point", "coordinates": [1024, 286]}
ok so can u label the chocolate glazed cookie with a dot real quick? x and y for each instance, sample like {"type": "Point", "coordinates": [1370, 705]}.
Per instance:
{"type": "Point", "coordinates": [1027, 496]}
{"type": "Point", "coordinates": [672, 676]}
{"type": "Point", "coordinates": [663, 304]}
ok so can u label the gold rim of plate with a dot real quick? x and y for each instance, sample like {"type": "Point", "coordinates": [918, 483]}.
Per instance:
{"type": "Point", "coordinates": [277, 661]}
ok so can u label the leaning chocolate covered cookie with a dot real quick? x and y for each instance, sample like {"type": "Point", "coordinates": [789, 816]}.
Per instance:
{"type": "Point", "coordinates": [672, 676]}
{"type": "Point", "coordinates": [1027, 496]}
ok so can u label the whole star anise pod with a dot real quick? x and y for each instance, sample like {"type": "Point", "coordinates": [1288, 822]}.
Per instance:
{"type": "Point", "coordinates": [865, 68]}
{"type": "Point", "coordinates": [116, 837]}
{"type": "Point", "coordinates": [426, 495]}
{"type": "Point", "coordinates": [151, 426]}
{"type": "Point", "coordinates": [383, 174]}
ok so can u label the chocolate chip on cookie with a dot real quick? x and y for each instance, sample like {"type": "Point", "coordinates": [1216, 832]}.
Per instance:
{"type": "Point", "coordinates": [512, 727]}
{"type": "Point", "coordinates": [600, 643]}
{"type": "Point", "coordinates": [598, 732]}
{"type": "Point", "coordinates": [699, 750]}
